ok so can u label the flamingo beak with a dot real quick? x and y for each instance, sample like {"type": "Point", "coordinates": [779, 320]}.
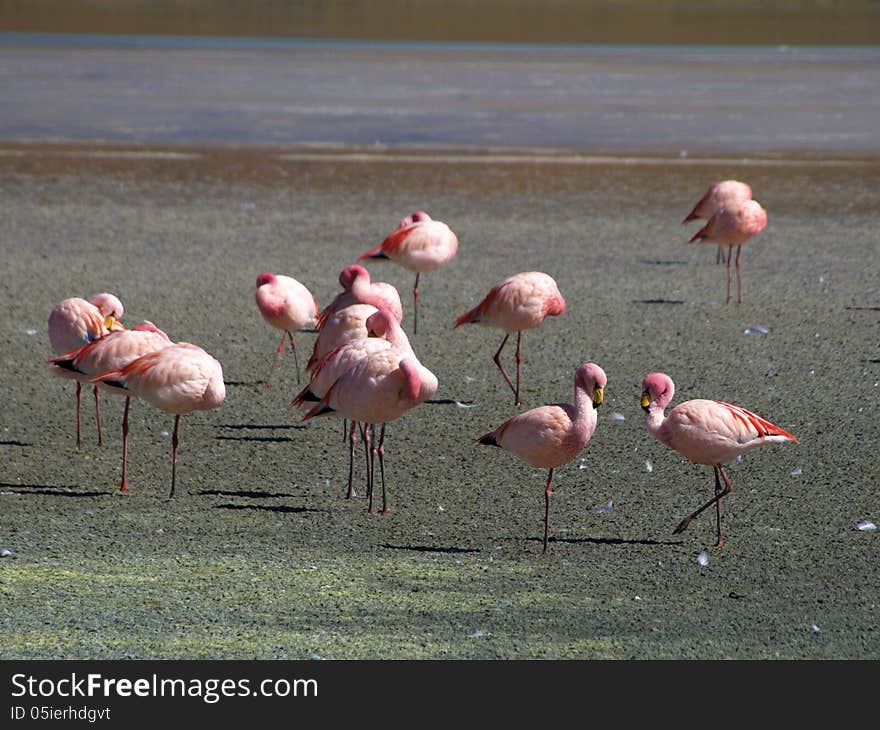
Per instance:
{"type": "Point", "coordinates": [646, 400]}
{"type": "Point", "coordinates": [111, 323]}
{"type": "Point", "coordinates": [598, 396]}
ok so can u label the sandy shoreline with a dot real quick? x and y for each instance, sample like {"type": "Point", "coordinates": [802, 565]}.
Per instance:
{"type": "Point", "coordinates": [260, 557]}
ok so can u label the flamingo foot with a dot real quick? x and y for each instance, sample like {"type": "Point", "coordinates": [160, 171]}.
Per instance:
{"type": "Point", "coordinates": [682, 526]}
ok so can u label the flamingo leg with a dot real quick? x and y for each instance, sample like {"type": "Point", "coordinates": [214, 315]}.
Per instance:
{"type": "Point", "coordinates": [381, 451]}
{"type": "Point", "coordinates": [729, 261]}
{"type": "Point", "coordinates": [719, 256]}
{"type": "Point", "coordinates": [416, 304]}
{"type": "Point", "coordinates": [352, 439]}
{"type": "Point", "coordinates": [683, 525]}
{"type": "Point", "coordinates": [98, 417]}
{"type": "Point", "coordinates": [548, 491]}
{"type": "Point", "coordinates": [739, 282]}
{"type": "Point", "coordinates": [518, 365]}
{"type": "Point", "coordinates": [497, 359]}
{"type": "Point", "coordinates": [78, 414]}
{"type": "Point", "coordinates": [365, 435]}
{"type": "Point", "coordinates": [174, 455]}
{"type": "Point", "coordinates": [124, 486]}
{"type": "Point", "coordinates": [295, 358]}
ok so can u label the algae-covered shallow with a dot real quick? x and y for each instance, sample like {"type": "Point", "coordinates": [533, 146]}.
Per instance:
{"type": "Point", "coordinates": [259, 556]}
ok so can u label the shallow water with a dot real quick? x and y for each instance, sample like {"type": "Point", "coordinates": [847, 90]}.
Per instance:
{"type": "Point", "coordinates": [671, 101]}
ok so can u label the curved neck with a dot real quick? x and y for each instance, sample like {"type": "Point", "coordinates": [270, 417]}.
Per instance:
{"type": "Point", "coordinates": [654, 419]}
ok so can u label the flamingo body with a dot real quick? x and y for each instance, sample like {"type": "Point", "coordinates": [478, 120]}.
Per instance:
{"type": "Point", "coordinates": [706, 432]}
{"type": "Point", "coordinates": [419, 244]}
{"type": "Point", "coordinates": [285, 303]}
{"type": "Point", "coordinates": [550, 436]}
{"type": "Point", "coordinates": [719, 195]}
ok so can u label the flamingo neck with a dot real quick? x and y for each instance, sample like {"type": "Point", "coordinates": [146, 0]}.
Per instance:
{"type": "Point", "coordinates": [654, 420]}
{"type": "Point", "coordinates": [412, 383]}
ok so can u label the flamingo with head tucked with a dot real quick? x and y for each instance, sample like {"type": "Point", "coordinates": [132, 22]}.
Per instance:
{"type": "Point", "coordinates": [287, 305]}
{"type": "Point", "coordinates": [359, 288]}
{"type": "Point", "coordinates": [733, 225]}
{"type": "Point", "coordinates": [75, 322]}
{"type": "Point", "coordinates": [418, 244]}
{"type": "Point", "coordinates": [706, 432]}
{"type": "Point", "coordinates": [717, 196]}
{"type": "Point", "coordinates": [550, 436]}
{"type": "Point", "coordinates": [519, 303]}
{"type": "Point", "coordinates": [177, 379]}
{"type": "Point", "coordinates": [114, 350]}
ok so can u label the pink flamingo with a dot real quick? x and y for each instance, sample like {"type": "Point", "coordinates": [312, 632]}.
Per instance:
{"type": "Point", "coordinates": [113, 351]}
{"type": "Point", "coordinates": [706, 432]}
{"type": "Point", "coordinates": [550, 436]}
{"type": "Point", "coordinates": [286, 305]}
{"type": "Point", "coordinates": [379, 389]}
{"type": "Point", "coordinates": [177, 379]}
{"type": "Point", "coordinates": [358, 288]}
{"type": "Point", "coordinates": [346, 325]}
{"type": "Point", "coordinates": [75, 322]}
{"type": "Point", "coordinates": [733, 225]}
{"type": "Point", "coordinates": [418, 244]}
{"type": "Point", "coordinates": [519, 303]}
{"type": "Point", "coordinates": [341, 359]}
{"type": "Point", "coordinates": [717, 196]}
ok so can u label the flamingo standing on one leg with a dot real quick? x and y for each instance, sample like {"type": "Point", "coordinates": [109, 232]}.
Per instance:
{"type": "Point", "coordinates": [733, 225]}
{"type": "Point", "coordinates": [418, 244]}
{"type": "Point", "coordinates": [113, 351]}
{"type": "Point", "coordinates": [706, 432]}
{"type": "Point", "coordinates": [286, 305]}
{"type": "Point", "coordinates": [519, 303]}
{"type": "Point", "coordinates": [178, 379]}
{"type": "Point", "coordinates": [75, 322]}
{"type": "Point", "coordinates": [550, 436]}
{"type": "Point", "coordinates": [717, 196]}
{"type": "Point", "coordinates": [378, 390]}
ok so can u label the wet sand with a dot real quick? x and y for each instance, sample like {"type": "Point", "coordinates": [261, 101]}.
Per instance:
{"type": "Point", "coordinates": [259, 556]}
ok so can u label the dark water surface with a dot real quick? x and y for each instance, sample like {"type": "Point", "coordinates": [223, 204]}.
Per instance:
{"type": "Point", "coordinates": [670, 101]}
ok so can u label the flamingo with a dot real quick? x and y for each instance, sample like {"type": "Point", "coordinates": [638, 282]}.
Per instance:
{"type": "Point", "coordinates": [418, 244]}
{"type": "Point", "coordinates": [177, 379]}
{"type": "Point", "coordinates": [358, 288]}
{"type": "Point", "coordinates": [286, 305]}
{"type": "Point", "coordinates": [379, 389]}
{"type": "Point", "coordinates": [706, 432]}
{"type": "Point", "coordinates": [75, 322]}
{"type": "Point", "coordinates": [733, 225]}
{"type": "Point", "coordinates": [341, 359]}
{"type": "Point", "coordinates": [519, 303]}
{"type": "Point", "coordinates": [717, 196]}
{"type": "Point", "coordinates": [114, 350]}
{"type": "Point", "coordinates": [551, 436]}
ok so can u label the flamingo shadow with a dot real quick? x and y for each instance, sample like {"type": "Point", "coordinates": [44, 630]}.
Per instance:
{"type": "Point", "coordinates": [13, 443]}
{"type": "Point", "coordinates": [663, 262]}
{"type": "Point", "coordinates": [50, 490]}
{"type": "Point", "coordinates": [249, 495]}
{"type": "Point", "coordinates": [659, 301]}
{"type": "Point", "coordinates": [448, 402]}
{"type": "Point", "coordinates": [607, 541]}
{"type": "Point", "coordinates": [268, 439]}
{"type": "Point", "coordinates": [267, 508]}
{"type": "Point", "coordinates": [260, 426]}
{"type": "Point", "coordinates": [430, 548]}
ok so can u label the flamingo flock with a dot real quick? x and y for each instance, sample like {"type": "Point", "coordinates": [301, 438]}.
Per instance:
{"type": "Point", "coordinates": [364, 369]}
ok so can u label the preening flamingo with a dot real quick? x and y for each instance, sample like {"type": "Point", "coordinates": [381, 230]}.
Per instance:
{"type": "Point", "coordinates": [550, 436]}
{"type": "Point", "coordinates": [733, 225]}
{"type": "Point", "coordinates": [359, 288]}
{"type": "Point", "coordinates": [418, 244]}
{"type": "Point", "coordinates": [113, 351]}
{"type": "Point", "coordinates": [178, 379]}
{"type": "Point", "coordinates": [75, 322]}
{"type": "Point", "coordinates": [379, 389]}
{"type": "Point", "coordinates": [706, 432]}
{"type": "Point", "coordinates": [718, 195]}
{"type": "Point", "coordinates": [286, 305]}
{"type": "Point", "coordinates": [519, 303]}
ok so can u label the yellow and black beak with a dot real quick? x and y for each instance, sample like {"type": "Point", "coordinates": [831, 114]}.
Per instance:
{"type": "Point", "coordinates": [598, 396]}
{"type": "Point", "coordinates": [646, 400]}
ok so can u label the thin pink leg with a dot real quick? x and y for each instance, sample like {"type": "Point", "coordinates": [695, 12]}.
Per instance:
{"type": "Point", "coordinates": [98, 417]}
{"type": "Point", "coordinates": [518, 365]}
{"type": "Point", "coordinates": [548, 491]}
{"type": "Point", "coordinates": [124, 486]}
{"type": "Point", "coordinates": [729, 261]}
{"type": "Point", "coordinates": [497, 359]}
{"type": "Point", "coordinates": [365, 435]}
{"type": "Point", "coordinates": [739, 282]}
{"type": "Point", "coordinates": [78, 414]}
{"type": "Point", "coordinates": [174, 455]}
{"type": "Point", "coordinates": [416, 304]}
{"type": "Point", "coordinates": [352, 439]}
{"type": "Point", "coordinates": [381, 451]}
{"type": "Point", "coordinates": [683, 525]}
{"type": "Point", "coordinates": [295, 357]}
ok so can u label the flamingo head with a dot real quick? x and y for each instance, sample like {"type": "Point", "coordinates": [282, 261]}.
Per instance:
{"type": "Point", "coordinates": [657, 391]}
{"type": "Point", "coordinates": [412, 382]}
{"type": "Point", "coordinates": [350, 274]}
{"type": "Point", "coordinates": [592, 379]}
{"type": "Point", "coordinates": [380, 323]}
{"type": "Point", "coordinates": [267, 277]}
{"type": "Point", "coordinates": [112, 309]}
{"type": "Point", "coordinates": [418, 216]}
